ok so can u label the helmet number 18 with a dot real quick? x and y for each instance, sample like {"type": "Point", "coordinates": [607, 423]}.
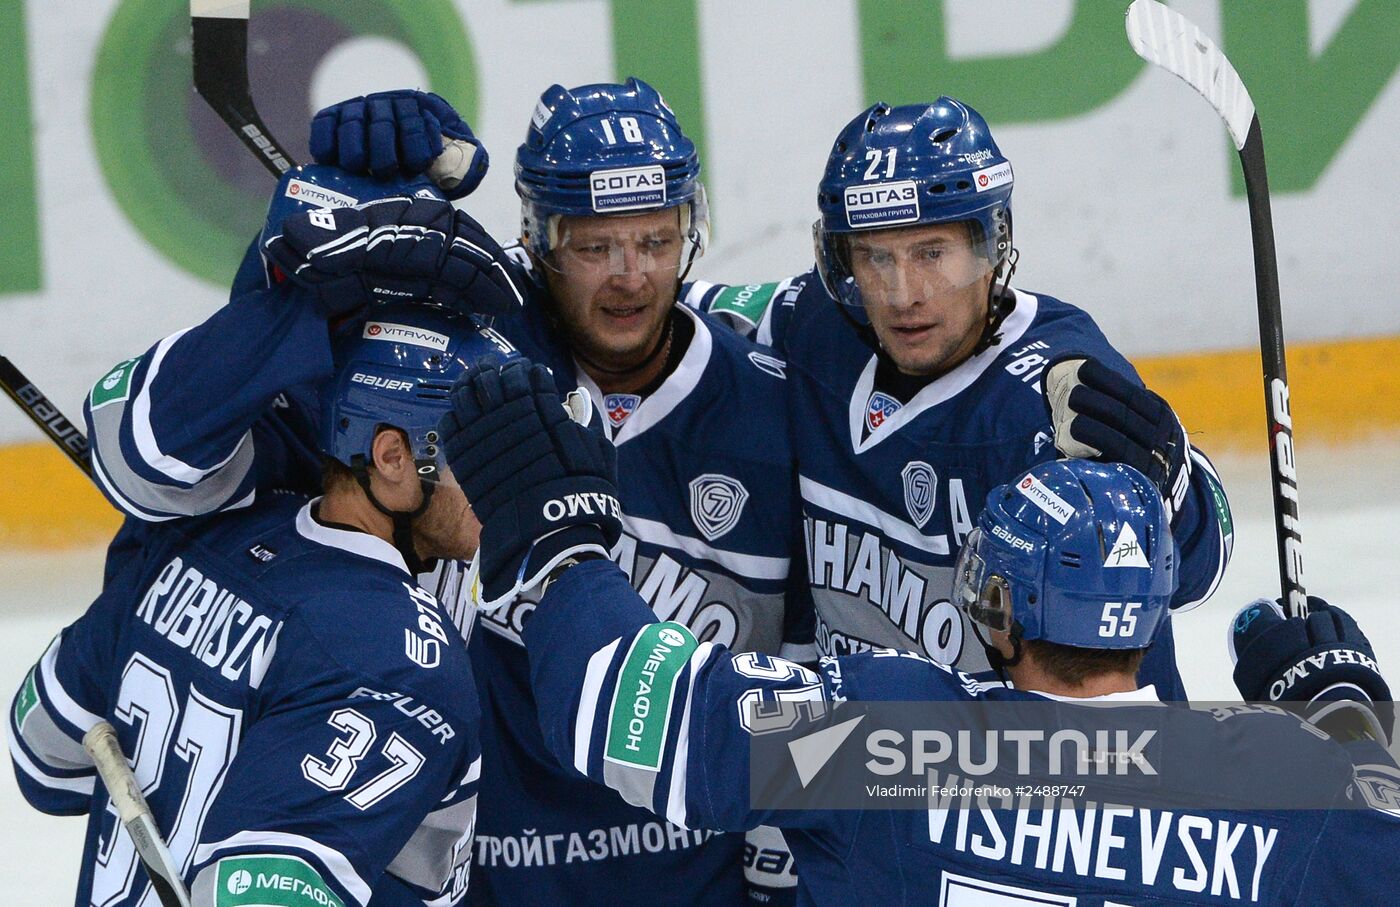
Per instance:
{"type": "Point", "coordinates": [1115, 624]}
{"type": "Point", "coordinates": [631, 132]}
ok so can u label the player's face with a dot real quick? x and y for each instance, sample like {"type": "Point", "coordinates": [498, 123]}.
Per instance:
{"type": "Point", "coordinates": [448, 528]}
{"type": "Point", "coordinates": [925, 292]}
{"type": "Point", "coordinates": [614, 281]}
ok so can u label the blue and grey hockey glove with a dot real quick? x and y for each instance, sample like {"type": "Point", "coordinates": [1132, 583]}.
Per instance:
{"type": "Point", "coordinates": [404, 132]}
{"type": "Point", "coordinates": [542, 484]}
{"type": "Point", "coordinates": [394, 248]}
{"type": "Point", "coordinates": [1323, 660]}
{"type": "Point", "coordinates": [1100, 415]}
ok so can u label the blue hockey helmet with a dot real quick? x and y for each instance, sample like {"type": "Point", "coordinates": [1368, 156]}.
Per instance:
{"type": "Point", "coordinates": [607, 149]}
{"type": "Point", "coordinates": [915, 164]}
{"type": "Point", "coordinates": [312, 187]}
{"type": "Point", "coordinates": [396, 368]}
{"type": "Point", "coordinates": [1073, 552]}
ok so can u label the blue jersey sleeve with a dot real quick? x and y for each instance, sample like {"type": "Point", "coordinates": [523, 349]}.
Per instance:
{"type": "Point", "coordinates": [645, 708]}
{"type": "Point", "coordinates": [759, 311]}
{"type": "Point", "coordinates": [348, 781]}
{"type": "Point", "coordinates": [63, 696]}
{"type": "Point", "coordinates": [180, 430]}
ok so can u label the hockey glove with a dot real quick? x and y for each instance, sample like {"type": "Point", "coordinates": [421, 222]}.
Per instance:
{"type": "Point", "coordinates": [543, 485]}
{"type": "Point", "coordinates": [1099, 414]}
{"type": "Point", "coordinates": [394, 248]}
{"type": "Point", "coordinates": [404, 132]}
{"type": "Point", "coordinates": [1323, 660]}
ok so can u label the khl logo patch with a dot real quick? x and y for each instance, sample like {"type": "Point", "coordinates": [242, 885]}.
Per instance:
{"type": "Point", "coordinates": [919, 491]}
{"type": "Point", "coordinates": [620, 406]}
{"type": "Point", "coordinates": [716, 503]}
{"type": "Point", "coordinates": [880, 408]}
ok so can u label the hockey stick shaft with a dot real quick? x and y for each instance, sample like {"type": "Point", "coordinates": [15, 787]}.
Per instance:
{"type": "Point", "coordinates": [219, 37]}
{"type": "Point", "coordinates": [44, 414]}
{"type": "Point", "coordinates": [1165, 38]}
{"type": "Point", "coordinates": [125, 793]}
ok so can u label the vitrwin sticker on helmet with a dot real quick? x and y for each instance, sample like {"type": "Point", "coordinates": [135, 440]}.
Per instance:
{"type": "Point", "coordinates": [628, 188]}
{"type": "Point", "coordinates": [993, 176]}
{"type": "Point", "coordinates": [882, 204]}
{"type": "Point", "coordinates": [402, 333]}
{"type": "Point", "coordinates": [1041, 495]}
{"type": "Point", "coordinates": [320, 196]}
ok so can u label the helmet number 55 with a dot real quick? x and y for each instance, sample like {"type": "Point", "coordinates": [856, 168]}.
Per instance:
{"type": "Point", "coordinates": [1115, 624]}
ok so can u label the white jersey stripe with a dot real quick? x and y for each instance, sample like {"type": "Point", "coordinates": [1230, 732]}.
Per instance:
{"type": "Point", "coordinates": [853, 508]}
{"type": "Point", "coordinates": [749, 566]}
{"type": "Point", "coordinates": [588, 703]}
{"type": "Point", "coordinates": [84, 785]}
{"type": "Point", "coordinates": [676, 793]}
{"type": "Point", "coordinates": [58, 697]}
{"type": "Point", "coordinates": [145, 437]}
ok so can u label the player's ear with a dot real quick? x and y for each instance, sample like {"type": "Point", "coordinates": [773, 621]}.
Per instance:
{"type": "Point", "coordinates": [392, 456]}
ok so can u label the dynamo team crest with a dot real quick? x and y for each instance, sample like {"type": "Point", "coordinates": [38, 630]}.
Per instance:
{"type": "Point", "coordinates": [919, 491]}
{"type": "Point", "coordinates": [880, 408]}
{"type": "Point", "coordinates": [716, 503]}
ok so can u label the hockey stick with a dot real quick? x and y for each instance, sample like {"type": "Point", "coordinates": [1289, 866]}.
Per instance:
{"type": "Point", "coordinates": [45, 415]}
{"type": "Point", "coordinates": [219, 35]}
{"type": "Point", "coordinates": [1165, 38]}
{"type": "Point", "coordinates": [125, 793]}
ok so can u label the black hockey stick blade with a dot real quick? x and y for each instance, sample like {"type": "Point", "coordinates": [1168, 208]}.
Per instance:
{"type": "Point", "coordinates": [1165, 38]}
{"type": "Point", "coordinates": [44, 414]}
{"type": "Point", "coordinates": [219, 36]}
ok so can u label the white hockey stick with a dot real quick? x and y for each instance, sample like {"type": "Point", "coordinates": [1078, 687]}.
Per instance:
{"type": "Point", "coordinates": [125, 793]}
{"type": "Point", "coordinates": [1165, 38]}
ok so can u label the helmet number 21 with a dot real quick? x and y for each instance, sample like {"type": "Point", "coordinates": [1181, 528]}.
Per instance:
{"type": "Point", "coordinates": [875, 156]}
{"type": "Point", "coordinates": [631, 132]}
{"type": "Point", "coordinates": [1115, 624]}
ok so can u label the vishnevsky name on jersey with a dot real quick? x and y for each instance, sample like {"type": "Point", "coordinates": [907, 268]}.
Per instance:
{"type": "Point", "coordinates": [211, 622]}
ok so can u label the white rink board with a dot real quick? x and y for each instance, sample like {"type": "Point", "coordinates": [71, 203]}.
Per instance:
{"type": "Point", "coordinates": [1351, 533]}
{"type": "Point", "coordinates": [1124, 209]}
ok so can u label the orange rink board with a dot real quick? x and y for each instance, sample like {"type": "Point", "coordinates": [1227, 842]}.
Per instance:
{"type": "Point", "coordinates": [1342, 392]}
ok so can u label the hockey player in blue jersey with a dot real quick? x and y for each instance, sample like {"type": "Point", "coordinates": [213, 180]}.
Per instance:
{"type": "Point", "coordinates": [613, 213]}
{"type": "Point", "coordinates": [656, 714]}
{"type": "Point", "coordinates": [915, 372]}
{"type": "Point", "coordinates": [300, 713]}
{"type": "Point", "coordinates": [711, 519]}
{"type": "Point", "coordinates": [915, 376]}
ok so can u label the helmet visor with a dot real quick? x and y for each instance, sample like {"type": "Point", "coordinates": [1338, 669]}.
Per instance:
{"type": "Point", "coordinates": [608, 246]}
{"type": "Point", "coordinates": [905, 265]}
{"type": "Point", "coordinates": [985, 599]}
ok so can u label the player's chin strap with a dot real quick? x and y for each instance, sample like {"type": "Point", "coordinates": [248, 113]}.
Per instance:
{"type": "Point", "coordinates": [1000, 302]}
{"type": "Point", "coordinates": [995, 659]}
{"type": "Point", "coordinates": [402, 519]}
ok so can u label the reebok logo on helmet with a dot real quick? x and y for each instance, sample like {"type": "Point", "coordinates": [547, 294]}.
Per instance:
{"type": "Point", "coordinates": [882, 204]}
